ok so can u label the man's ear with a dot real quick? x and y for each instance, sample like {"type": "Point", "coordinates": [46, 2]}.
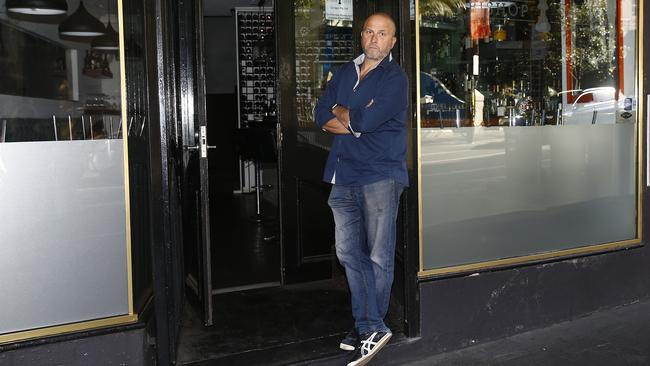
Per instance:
{"type": "Point", "coordinates": [394, 41]}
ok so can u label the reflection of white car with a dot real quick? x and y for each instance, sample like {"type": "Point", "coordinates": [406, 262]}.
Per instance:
{"type": "Point", "coordinates": [596, 106]}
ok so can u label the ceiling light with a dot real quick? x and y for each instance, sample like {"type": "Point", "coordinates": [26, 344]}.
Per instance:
{"type": "Point", "coordinates": [108, 41]}
{"type": "Point", "coordinates": [81, 24]}
{"type": "Point", "coordinates": [37, 7]}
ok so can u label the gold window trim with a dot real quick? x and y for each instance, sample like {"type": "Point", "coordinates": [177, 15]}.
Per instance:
{"type": "Point", "coordinates": [130, 317]}
{"type": "Point", "coordinates": [559, 254]}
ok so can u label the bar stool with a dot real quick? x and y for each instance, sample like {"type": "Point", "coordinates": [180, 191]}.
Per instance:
{"type": "Point", "coordinates": [257, 142]}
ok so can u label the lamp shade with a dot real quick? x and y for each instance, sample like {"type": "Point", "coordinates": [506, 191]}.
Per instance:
{"type": "Point", "coordinates": [81, 24]}
{"type": "Point", "coordinates": [37, 7]}
{"type": "Point", "coordinates": [108, 41]}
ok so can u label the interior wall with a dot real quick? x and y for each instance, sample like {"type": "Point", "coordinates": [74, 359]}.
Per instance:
{"type": "Point", "coordinates": [220, 55]}
{"type": "Point", "coordinates": [26, 107]}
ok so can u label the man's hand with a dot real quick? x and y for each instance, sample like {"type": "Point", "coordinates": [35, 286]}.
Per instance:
{"type": "Point", "coordinates": [335, 126]}
{"type": "Point", "coordinates": [339, 124]}
{"type": "Point", "coordinates": [342, 114]}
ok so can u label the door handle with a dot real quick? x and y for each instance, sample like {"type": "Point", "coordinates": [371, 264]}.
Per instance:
{"type": "Point", "coordinates": [203, 146]}
{"type": "Point", "coordinates": [203, 141]}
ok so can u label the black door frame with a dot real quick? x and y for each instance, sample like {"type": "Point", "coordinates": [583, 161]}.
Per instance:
{"type": "Point", "coordinates": [165, 144]}
{"type": "Point", "coordinates": [193, 137]}
{"type": "Point", "coordinates": [410, 204]}
{"type": "Point", "coordinates": [161, 48]}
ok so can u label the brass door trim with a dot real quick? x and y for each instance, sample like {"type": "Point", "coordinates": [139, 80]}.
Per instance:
{"type": "Point", "coordinates": [125, 144]}
{"type": "Point", "coordinates": [507, 262]}
{"type": "Point", "coordinates": [67, 328]}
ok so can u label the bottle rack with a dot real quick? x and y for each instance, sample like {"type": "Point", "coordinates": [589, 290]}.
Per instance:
{"type": "Point", "coordinates": [314, 61]}
{"type": "Point", "coordinates": [256, 64]}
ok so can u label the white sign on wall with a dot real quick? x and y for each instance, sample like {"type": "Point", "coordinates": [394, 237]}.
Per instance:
{"type": "Point", "coordinates": [338, 9]}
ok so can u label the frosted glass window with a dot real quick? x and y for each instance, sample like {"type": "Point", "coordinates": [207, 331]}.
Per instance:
{"type": "Point", "coordinates": [528, 127]}
{"type": "Point", "coordinates": [63, 246]}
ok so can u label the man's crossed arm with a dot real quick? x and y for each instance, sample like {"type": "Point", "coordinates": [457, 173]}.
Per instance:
{"type": "Point", "coordinates": [340, 123]}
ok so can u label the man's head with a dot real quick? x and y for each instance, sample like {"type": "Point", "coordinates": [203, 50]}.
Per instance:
{"type": "Point", "coordinates": [378, 36]}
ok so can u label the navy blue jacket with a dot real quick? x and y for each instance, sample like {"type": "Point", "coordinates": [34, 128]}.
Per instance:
{"type": "Point", "coordinates": [377, 150]}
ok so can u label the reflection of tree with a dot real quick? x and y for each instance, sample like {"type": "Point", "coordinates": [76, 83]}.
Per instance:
{"type": "Point", "coordinates": [594, 48]}
{"type": "Point", "coordinates": [440, 7]}
{"type": "Point", "coordinates": [553, 39]}
{"type": "Point", "coordinates": [303, 4]}
{"type": "Point", "coordinates": [593, 45]}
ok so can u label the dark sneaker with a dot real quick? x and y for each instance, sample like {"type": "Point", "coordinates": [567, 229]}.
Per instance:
{"type": "Point", "coordinates": [351, 341]}
{"type": "Point", "coordinates": [370, 344]}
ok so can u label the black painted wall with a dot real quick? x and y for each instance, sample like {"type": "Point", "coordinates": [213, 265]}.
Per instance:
{"type": "Point", "coordinates": [458, 312]}
{"type": "Point", "coordinates": [119, 347]}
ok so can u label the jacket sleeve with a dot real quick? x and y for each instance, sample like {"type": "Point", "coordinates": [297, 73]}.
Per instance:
{"type": "Point", "coordinates": [391, 99]}
{"type": "Point", "coordinates": [323, 109]}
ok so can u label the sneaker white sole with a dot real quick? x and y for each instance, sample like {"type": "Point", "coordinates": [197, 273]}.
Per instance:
{"type": "Point", "coordinates": [375, 350]}
{"type": "Point", "coordinates": [346, 347]}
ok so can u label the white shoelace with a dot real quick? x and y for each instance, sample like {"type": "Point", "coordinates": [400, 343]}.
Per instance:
{"type": "Point", "coordinates": [368, 344]}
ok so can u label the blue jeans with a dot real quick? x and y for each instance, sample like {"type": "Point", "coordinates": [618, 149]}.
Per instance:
{"type": "Point", "coordinates": [365, 218]}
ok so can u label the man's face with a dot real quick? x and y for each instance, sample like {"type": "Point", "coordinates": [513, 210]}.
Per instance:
{"type": "Point", "coordinates": [377, 37]}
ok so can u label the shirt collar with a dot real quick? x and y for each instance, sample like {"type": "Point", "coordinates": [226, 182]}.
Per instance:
{"type": "Point", "coordinates": [359, 60]}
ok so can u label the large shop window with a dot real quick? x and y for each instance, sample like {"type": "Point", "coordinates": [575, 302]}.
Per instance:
{"type": "Point", "coordinates": [64, 248]}
{"type": "Point", "coordinates": [528, 130]}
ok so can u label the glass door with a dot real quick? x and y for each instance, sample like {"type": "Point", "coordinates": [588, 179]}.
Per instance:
{"type": "Point", "coordinates": [314, 39]}
{"type": "Point", "coordinates": [196, 200]}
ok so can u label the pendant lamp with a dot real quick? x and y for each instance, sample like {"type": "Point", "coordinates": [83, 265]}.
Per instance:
{"type": "Point", "coordinates": [109, 41]}
{"type": "Point", "coordinates": [37, 7]}
{"type": "Point", "coordinates": [81, 24]}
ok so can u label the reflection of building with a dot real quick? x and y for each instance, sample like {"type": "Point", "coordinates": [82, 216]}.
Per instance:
{"type": "Point", "coordinates": [515, 218]}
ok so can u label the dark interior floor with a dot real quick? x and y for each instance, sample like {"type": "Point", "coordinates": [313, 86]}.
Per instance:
{"type": "Point", "coordinates": [268, 325]}
{"type": "Point", "coordinates": [245, 253]}
{"type": "Point", "coordinates": [273, 326]}
{"type": "Point", "coordinates": [240, 256]}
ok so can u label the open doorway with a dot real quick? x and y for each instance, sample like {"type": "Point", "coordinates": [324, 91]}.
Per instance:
{"type": "Point", "coordinates": [241, 116]}
{"type": "Point", "coordinates": [278, 294]}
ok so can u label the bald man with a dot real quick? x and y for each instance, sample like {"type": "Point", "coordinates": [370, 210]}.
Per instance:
{"type": "Point", "coordinates": [365, 107]}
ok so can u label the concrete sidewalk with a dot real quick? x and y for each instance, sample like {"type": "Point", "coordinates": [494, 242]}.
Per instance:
{"type": "Point", "coordinates": [612, 337]}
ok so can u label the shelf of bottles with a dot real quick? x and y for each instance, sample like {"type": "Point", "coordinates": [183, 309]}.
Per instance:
{"type": "Point", "coordinates": [318, 54]}
{"type": "Point", "coordinates": [256, 64]}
